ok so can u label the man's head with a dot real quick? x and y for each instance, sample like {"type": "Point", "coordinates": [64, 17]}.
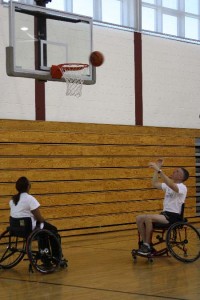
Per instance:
{"type": "Point", "coordinates": [186, 174]}
{"type": "Point", "coordinates": [180, 175]}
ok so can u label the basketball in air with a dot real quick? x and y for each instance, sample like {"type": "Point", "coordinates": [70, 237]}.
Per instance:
{"type": "Point", "coordinates": [96, 58]}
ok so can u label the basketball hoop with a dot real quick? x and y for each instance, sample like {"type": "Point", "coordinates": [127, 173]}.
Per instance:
{"type": "Point", "coordinates": [72, 73]}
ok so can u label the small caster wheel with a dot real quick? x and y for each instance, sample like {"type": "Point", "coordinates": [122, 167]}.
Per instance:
{"type": "Point", "coordinates": [150, 260]}
{"type": "Point", "coordinates": [63, 264]}
{"type": "Point", "coordinates": [134, 259]}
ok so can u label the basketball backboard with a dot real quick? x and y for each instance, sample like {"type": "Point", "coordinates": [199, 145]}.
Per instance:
{"type": "Point", "coordinates": [40, 37]}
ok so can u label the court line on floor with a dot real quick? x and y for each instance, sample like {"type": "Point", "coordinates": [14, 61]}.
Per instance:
{"type": "Point", "coordinates": [95, 289]}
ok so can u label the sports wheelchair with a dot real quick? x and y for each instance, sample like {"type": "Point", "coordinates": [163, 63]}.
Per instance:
{"type": "Point", "coordinates": [39, 245]}
{"type": "Point", "coordinates": [180, 240]}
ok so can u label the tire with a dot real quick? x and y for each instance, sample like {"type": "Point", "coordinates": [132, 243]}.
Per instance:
{"type": "Point", "coordinates": [183, 242]}
{"type": "Point", "coordinates": [12, 250]}
{"type": "Point", "coordinates": [42, 258]}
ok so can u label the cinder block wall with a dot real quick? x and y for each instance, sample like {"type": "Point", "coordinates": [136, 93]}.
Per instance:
{"type": "Point", "coordinates": [170, 84]}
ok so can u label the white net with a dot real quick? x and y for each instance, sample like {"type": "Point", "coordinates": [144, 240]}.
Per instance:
{"type": "Point", "coordinates": [72, 73]}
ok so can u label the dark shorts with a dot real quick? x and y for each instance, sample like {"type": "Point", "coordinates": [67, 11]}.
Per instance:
{"type": "Point", "coordinates": [171, 217]}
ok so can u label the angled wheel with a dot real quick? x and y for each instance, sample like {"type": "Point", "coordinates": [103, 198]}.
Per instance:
{"type": "Point", "coordinates": [12, 250]}
{"type": "Point", "coordinates": [183, 242]}
{"type": "Point", "coordinates": [44, 251]}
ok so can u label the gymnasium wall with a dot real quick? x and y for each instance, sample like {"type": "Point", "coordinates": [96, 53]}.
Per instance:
{"type": "Point", "coordinates": [92, 178]}
{"type": "Point", "coordinates": [171, 76]}
{"type": "Point", "coordinates": [171, 92]}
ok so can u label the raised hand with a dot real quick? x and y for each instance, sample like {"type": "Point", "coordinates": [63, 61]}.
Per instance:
{"type": "Point", "coordinates": [156, 165]}
{"type": "Point", "coordinates": [159, 162]}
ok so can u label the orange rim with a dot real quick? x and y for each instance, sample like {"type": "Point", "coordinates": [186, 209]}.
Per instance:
{"type": "Point", "coordinates": [72, 66]}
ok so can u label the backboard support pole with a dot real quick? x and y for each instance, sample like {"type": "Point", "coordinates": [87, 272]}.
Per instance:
{"type": "Point", "coordinates": [40, 84]}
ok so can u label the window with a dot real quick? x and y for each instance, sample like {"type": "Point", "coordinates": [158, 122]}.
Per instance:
{"type": "Point", "coordinates": [194, 24]}
{"type": "Point", "coordinates": [169, 24]}
{"type": "Point", "coordinates": [173, 4]}
{"type": "Point", "coordinates": [83, 7]}
{"type": "Point", "coordinates": [148, 18]}
{"type": "Point", "coordinates": [192, 6]}
{"type": "Point", "coordinates": [111, 11]}
{"type": "Point", "coordinates": [57, 4]}
{"type": "Point", "coordinates": [179, 18]}
{"type": "Point", "coordinates": [150, 1]}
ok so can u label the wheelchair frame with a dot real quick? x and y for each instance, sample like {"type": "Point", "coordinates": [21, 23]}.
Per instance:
{"type": "Point", "coordinates": [181, 240]}
{"type": "Point", "coordinates": [16, 243]}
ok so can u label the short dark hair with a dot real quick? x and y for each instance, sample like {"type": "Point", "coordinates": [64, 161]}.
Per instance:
{"type": "Point", "coordinates": [185, 174]}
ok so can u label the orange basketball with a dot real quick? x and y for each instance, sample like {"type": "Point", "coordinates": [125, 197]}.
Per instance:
{"type": "Point", "coordinates": [96, 58]}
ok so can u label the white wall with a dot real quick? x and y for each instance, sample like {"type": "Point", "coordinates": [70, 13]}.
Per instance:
{"type": "Point", "coordinates": [17, 100]}
{"type": "Point", "coordinates": [171, 77]}
{"type": "Point", "coordinates": [171, 83]}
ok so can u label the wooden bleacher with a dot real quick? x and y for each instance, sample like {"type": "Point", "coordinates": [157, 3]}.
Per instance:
{"type": "Point", "coordinates": [92, 178]}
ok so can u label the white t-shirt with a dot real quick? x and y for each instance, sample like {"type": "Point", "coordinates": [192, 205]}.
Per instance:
{"type": "Point", "coordinates": [173, 201]}
{"type": "Point", "coordinates": [26, 204]}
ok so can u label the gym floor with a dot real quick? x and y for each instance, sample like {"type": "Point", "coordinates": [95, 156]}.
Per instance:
{"type": "Point", "coordinates": [101, 267]}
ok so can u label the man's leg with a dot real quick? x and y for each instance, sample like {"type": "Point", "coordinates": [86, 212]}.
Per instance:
{"type": "Point", "coordinates": [140, 221]}
{"type": "Point", "coordinates": [145, 228]}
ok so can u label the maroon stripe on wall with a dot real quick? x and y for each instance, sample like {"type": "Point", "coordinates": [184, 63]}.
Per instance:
{"type": "Point", "coordinates": [39, 26]}
{"type": "Point", "coordinates": [39, 100]}
{"type": "Point", "coordinates": [138, 78]}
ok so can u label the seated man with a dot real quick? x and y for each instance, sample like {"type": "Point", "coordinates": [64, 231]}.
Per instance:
{"type": "Point", "coordinates": [175, 195]}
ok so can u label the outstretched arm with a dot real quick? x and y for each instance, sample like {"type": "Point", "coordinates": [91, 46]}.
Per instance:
{"type": "Point", "coordinates": [155, 181]}
{"type": "Point", "coordinates": [156, 166]}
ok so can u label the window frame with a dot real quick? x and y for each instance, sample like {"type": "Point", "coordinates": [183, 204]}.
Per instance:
{"type": "Point", "coordinates": [131, 16]}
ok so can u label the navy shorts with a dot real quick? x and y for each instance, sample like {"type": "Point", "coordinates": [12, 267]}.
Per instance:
{"type": "Point", "coordinates": [171, 217]}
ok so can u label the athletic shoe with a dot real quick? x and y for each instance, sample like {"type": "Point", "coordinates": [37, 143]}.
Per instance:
{"type": "Point", "coordinates": [144, 250]}
{"type": "Point", "coordinates": [47, 265]}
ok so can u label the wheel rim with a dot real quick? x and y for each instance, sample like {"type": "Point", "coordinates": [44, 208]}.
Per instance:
{"type": "Point", "coordinates": [43, 259]}
{"type": "Point", "coordinates": [183, 242]}
{"type": "Point", "coordinates": [12, 250]}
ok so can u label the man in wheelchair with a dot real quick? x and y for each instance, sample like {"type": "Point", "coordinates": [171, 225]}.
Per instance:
{"type": "Point", "coordinates": [175, 195]}
{"type": "Point", "coordinates": [24, 205]}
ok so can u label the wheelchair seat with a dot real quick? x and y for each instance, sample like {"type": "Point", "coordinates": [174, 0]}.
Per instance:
{"type": "Point", "coordinates": [161, 225]}
{"type": "Point", "coordinates": [20, 227]}
{"type": "Point", "coordinates": [166, 226]}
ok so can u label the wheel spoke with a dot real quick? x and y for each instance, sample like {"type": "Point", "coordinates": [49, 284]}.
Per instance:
{"type": "Point", "coordinates": [40, 248]}
{"type": "Point", "coordinates": [12, 250]}
{"type": "Point", "coordinates": [178, 236]}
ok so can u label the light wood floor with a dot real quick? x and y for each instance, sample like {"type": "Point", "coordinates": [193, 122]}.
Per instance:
{"type": "Point", "coordinates": [101, 268]}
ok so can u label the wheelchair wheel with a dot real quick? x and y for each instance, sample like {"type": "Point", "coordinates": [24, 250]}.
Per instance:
{"type": "Point", "coordinates": [183, 242]}
{"type": "Point", "coordinates": [12, 250]}
{"type": "Point", "coordinates": [44, 251]}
